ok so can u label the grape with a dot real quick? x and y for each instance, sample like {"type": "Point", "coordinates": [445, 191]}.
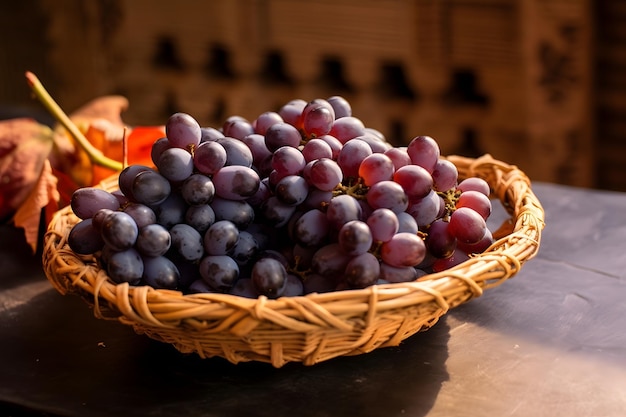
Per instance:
{"type": "Point", "coordinates": [171, 211]}
{"type": "Point", "coordinates": [415, 181]}
{"type": "Point", "coordinates": [404, 249]}
{"type": "Point", "coordinates": [317, 118]}
{"type": "Point", "coordinates": [387, 194]}
{"type": "Point", "coordinates": [426, 210]}
{"type": "Point", "coordinates": [125, 266]}
{"type": "Point", "coordinates": [340, 105]}
{"type": "Point", "coordinates": [329, 260]}
{"type": "Point", "coordinates": [269, 277]}
{"type": "Point", "coordinates": [316, 199]}
{"type": "Point", "coordinates": [210, 134]}
{"type": "Point", "coordinates": [439, 242]}
{"type": "Point", "coordinates": [183, 131]}
{"type": "Point", "coordinates": [362, 271]}
{"type": "Point", "coordinates": [291, 112]}
{"type": "Point", "coordinates": [275, 212]}
{"type": "Point", "coordinates": [325, 174]}
{"type": "Point", "coordinates": [119, 231]}
{"type": "Point", "coordinates": [265, 120]}
{"type": "Point", "coordinates": [316, 149]}
{"type": "Point", "coordinates": [245, 249]}
{"type": "Point", "coordinates": [292, 190]}
{"type": "Point", "coordinates": [475, 200]}
{"type": "Point", "coordinates": [236, 182]}
{"type": "Point", "coordinates": [187, 242]}
{"type": "Point", "coordinates": [150, 188]}
{"type": "Point", "coordinates": [398, 273]}
{"type": "Point", "coordinates": [85, 202]}
{"type": "Point", "coordinates": [153, 240]}
{"type": "Point", "coordinates": [375, 168]}
{"type": "Point", "coordinates": [175, 164]}
{"type": "Point", "coordinates": [311, 229]}
{"type": "Point", "coordinates": [288, 161]}
{"type": "Point", "coordinates": [316, 283]}
{"type": "Point", "coordinates": [84, 239]}
{"type": "Point", "coordinates": [334, 143]}
{"type": "Point", "coordinates": [200, 217]}
{"type": "Point", "coordinates": [355, 238]}
{"type": "Point", "coordinates": [197, 189]}
{"type": "Point", "coordinates": [209, 157]}
{"type": "Point", "coordinates": [398, 156]}
{"type": "Point", "coordinates": [141, 214]}
{"type": "Point", "coordinates": [244, 288]}
{"type": "Point", "coordinates": [256, 144]}
{"type": "Point", "coordinates": [282, 134]}
{"type": "Point", "coordinates": [474, 184]}
{"type": "Point", "coordinates": [98, 218]}
{"type": "Point", "coordinates": [467, 225]}
{"type": "Point", "coordinates": [160, 272]}
{"type": "Point", "coordinates": [238, 129]}
{"type": "Point", "coordinates": [407, 223]}
{"type": "Point", "coordinates": [127, 177]}
{"type": "Point", "coordinates": [377, 145]}
{"type": "Point", "coordinates": [351, 155]}
{"type": "Point", "coordinates": [347, 128]}
{"type": "Point", "coordinates": [219, 271]}
{"type": "Point", "coordinates": [478, 247]}
{"type": "Point", "coordinates": [200, 286]}
{"type": "Point", "coordinates": [237, 152]}
{"type": "Point", "coordinates": [424, 151]}
{"type": "Point", "coordinates": [444, 175]}
{"type": "Point", "coordinates": [293, 287]}
{"type": "Point", "coordinates": [446, 263]}
{"type": "Point", "coordinates": [220, 237]}
{"type": "Point", "coordinates": [383, 224]}
{"type": "Point", "coordinates": [342, 209]}
{"type": "Point", "coordinates": [263, 193]}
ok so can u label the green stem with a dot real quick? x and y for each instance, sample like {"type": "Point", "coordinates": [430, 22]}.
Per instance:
{"type": "Point", "coordinates": [48, 102]}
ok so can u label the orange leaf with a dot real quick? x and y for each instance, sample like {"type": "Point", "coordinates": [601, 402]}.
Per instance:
{"type": "Point", "coordinates": [24, 146]}
{"type": "Point", "coordinates": [43, 195]}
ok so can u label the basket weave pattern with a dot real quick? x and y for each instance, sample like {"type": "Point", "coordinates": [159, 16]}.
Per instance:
{"type": "Point", "coordinates": [316, 327]}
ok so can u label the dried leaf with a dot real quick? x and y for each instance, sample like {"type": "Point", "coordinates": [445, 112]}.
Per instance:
{"type": "Point", "coordinates": [24, 147]}
{"type": "Point", "coordinates": [43, 195]}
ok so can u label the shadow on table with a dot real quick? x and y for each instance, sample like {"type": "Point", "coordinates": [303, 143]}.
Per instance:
{"type": "Point", "coordinates": [63, 360]}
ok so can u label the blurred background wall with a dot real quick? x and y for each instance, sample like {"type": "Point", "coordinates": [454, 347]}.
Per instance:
{"type": "Point", "coordinates": [536, 83]}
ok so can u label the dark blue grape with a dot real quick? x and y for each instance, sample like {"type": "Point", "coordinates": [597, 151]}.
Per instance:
{"type": "Point", "coordinates": [219, 271]}
{"type": "Point", "coordinates": [200, 217]}
{"type": "Point", "coordinates": [119, 231]}
{"type": "Point", "coordinates": [221, 237]}
{"type": "Point", "coordinates": [85, 202]}
{"type": "Point", "coordinates": [125, 266]}
{"type": "Point", "coordinates": [150, 188]}
{"type": "Point", "coordinates": [160, 272]}
{"type": "Point", "coordinates": [153, 240]}
{"type": "Point", "coordinates": [197, 189]}
{"type": "Point", "coordinates": [84, 239]}
{"type": "Point", "coordinates": [187, 242]}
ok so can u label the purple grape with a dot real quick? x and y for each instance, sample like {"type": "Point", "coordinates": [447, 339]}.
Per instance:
{"type": "Point", "coordinates": [183, 131]}
{"type": "Point", "coordinates": [85, 202]}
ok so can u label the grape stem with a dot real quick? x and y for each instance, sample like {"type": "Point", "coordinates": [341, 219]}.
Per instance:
{"type": "Point", "coordinates": [95, 155]}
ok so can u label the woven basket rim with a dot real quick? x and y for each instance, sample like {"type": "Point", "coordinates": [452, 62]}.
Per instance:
{"type": "Point", "coordinates": [143, 307]}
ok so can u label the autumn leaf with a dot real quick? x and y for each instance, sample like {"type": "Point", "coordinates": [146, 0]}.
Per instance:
{"type": "Point", "coordinates": [24, 149]}
{"type": "Point", "coordinates": [43, 195]}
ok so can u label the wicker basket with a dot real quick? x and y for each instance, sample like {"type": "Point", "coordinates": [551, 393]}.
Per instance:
{"type": "Point", "coordinates": [316, 327]}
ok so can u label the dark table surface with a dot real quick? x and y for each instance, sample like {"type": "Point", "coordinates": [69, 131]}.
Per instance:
{"type": "Point", "coordinates": [549, 342]}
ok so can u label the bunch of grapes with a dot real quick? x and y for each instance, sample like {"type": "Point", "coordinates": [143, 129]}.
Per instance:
{"type": "Point", "coordinates": [305, 199]}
